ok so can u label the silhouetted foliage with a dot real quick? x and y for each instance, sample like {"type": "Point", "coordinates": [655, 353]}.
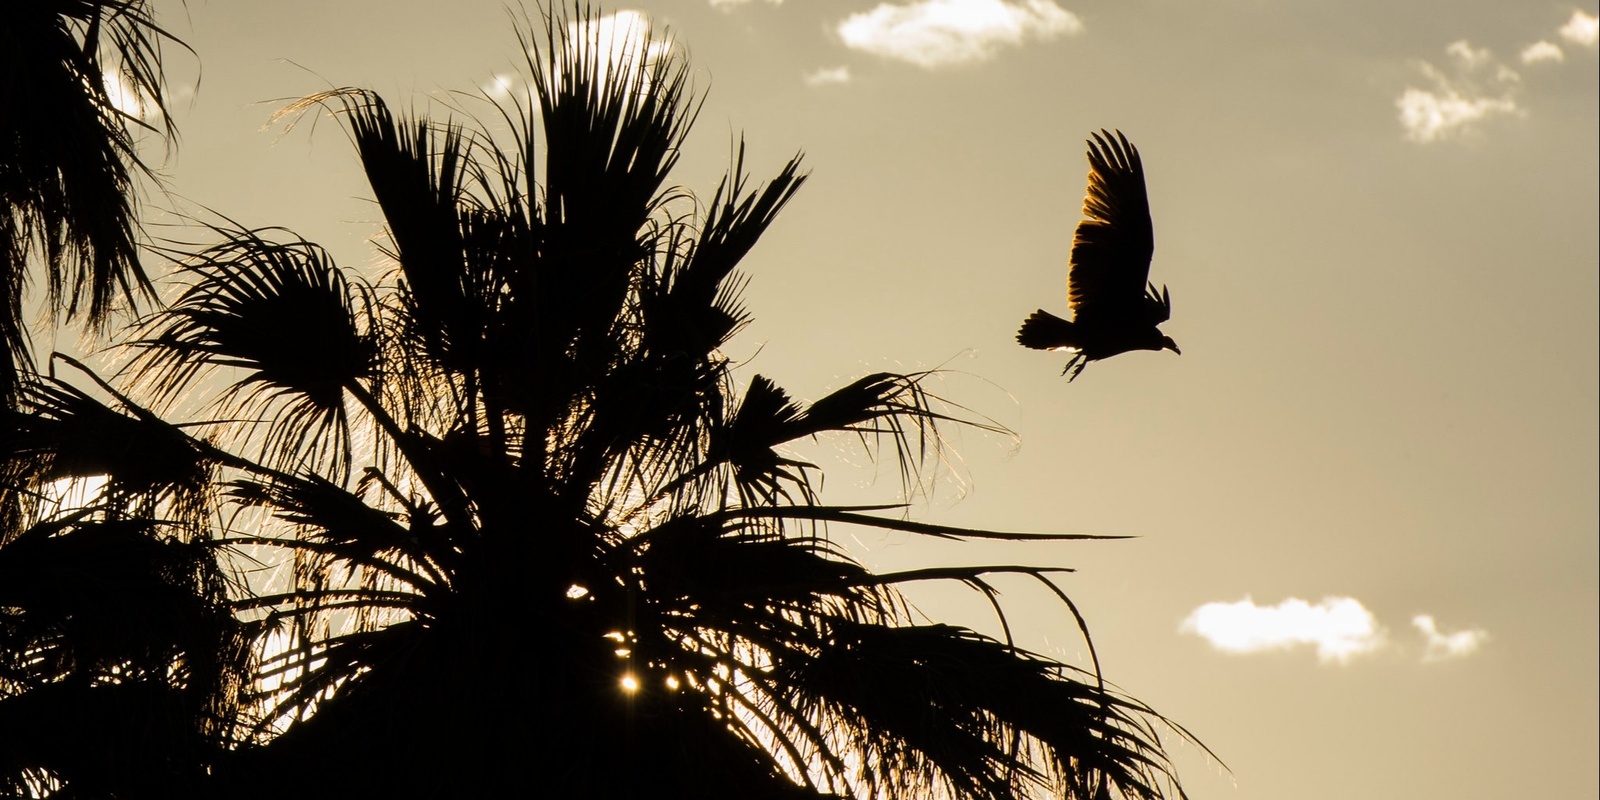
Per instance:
{"type": "Point", "coordinates": [68, 164]}
{"type": "Point", "coordinates": [501, 522]}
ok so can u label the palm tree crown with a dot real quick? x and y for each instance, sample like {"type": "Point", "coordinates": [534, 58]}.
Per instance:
{"type": "Point", "coordinates": [508, 524]}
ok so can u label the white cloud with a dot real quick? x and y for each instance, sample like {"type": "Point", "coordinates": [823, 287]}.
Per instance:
{"type": "Point", "coordinates": [1542, 51]}
{"type": "Point", "coordinates": [938, 33]}
{"type": "Point", "coordinates": [1471, 59]}
{"type": "Point", "coordinates": [828, 76]}
{"type": "Point", "coordinates": [1452, 645]}
{"type": "Point", "coordinates": [1458, 101]}
{"type": "Point", "coordinates": [623, 43]}
{"type": "Point", "coordinates": [1340, 628]}
{"type": "Point", "coordinates": [623, 39]}
{"type": "Point", "coordinates": [1583, 29]}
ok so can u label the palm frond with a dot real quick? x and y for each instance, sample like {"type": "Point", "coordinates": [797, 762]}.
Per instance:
{"type": "Point", "coordinates": [284, 315]}
{"type": "Point", "coordinates": [67, 183]}
{"type": "Point", "coordinates": [62, 433]}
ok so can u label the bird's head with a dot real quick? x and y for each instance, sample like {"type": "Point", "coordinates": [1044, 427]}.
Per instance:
{"type": "Point", "coordinates": [1168, 344]}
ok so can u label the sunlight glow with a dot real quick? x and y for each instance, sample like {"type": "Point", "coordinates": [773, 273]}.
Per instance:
{"type": "Point", "coordinates": [576, 592]}
{"type": "Point", "coordinates": [74, 493]}
{"type": "Point", "coordinates": [630, 684]}
{"type": "Point", "coordinates": [125, 97]}
{"type": "Point", "coordinates": [1339, 627]}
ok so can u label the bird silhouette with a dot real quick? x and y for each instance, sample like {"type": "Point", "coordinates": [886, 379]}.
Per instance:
{"type": "Point", "coordinates": [1115, 307]}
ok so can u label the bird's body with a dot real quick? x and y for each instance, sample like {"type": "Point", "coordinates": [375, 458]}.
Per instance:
{"type": "Point", "coordinates": [1115, 307]}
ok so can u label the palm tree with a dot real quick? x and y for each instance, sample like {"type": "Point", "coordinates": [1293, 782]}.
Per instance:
{"type": "Point", "coordinates": [502, 521]}
{"type": "Point", "coordinates": [68, 162]}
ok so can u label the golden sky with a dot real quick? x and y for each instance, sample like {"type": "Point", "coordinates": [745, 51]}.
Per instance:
{"type": "Point", "coordinates": [1366, 492]}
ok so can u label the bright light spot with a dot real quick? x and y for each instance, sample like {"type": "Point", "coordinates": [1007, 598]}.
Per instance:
{"type": "Point", "coordinates": [576, 592]}
{"type": "Point", "coordinates": [1452, 645]}
{"type": "Point", "coordinates": [939, 33]}
{"type": "Point", "coordinates": [1582, 29]}
{"type": "Point", "coordinates": [630, 684]}
{"type": "Point", "coordinates": [126, 97]}
{"type": "Point", "coordinates": [501, 86]}
{"type": "Point", "coordinates": [672, 683]}
{"type": "Point", "coordinates": [1542, 51]}
{"type": "Point", "coordinates": [622, 652]}
{"type": "Point", "coordinates": [75, 493]}
{"type": "Point", "coordinates": [1339, 627]}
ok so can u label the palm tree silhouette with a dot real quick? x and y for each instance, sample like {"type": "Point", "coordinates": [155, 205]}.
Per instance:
{"type": "Point", "coordinates": [508, 524]}
{"type": "Point", "coordinates": [1115, 308]}
{"type": "Point", "coordinates": [68, 173]}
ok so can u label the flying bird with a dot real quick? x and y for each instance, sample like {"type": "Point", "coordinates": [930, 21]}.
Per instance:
{"type": "Point", "coordinates": [1115, 307]}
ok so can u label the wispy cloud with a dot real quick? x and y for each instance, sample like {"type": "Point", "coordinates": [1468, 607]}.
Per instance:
{"type": "Point", "coordinates": [828, 76]}
{"type": "Point", "coordinates": [1448, 645]}
{"type": "Point", "coordinates": [1542, 51]}
{"type": "Point", "coordinates": [940, 33]}
{"type": "Point", "coordinates": [1582, 29]}
{"type": "Point", "coordinates": [1479, 87]}
{"type": "Point", "coordinates": [1340, 628]}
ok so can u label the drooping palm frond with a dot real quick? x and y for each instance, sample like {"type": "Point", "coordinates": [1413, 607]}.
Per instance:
{"type": "Point", "coordinates": [70, 165]}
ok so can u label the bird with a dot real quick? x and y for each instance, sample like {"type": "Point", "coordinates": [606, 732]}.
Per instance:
{"type": "Point", "coordinates": [1115, 307]}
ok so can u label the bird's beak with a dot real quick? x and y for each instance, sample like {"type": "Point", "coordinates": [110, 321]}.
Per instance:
{"type": "Point", "coordinates": [1173, 346]}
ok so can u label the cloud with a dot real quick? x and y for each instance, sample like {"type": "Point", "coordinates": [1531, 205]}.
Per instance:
{"type": "Point", "coordinates": [1452, 645]}
{"type": "Point", "coordinates": [1479, 87]}
{"type": "Point", "coordinates": [623, 40]}
{"type": "Point", "coordinates": [1472, 59]}
{"type": "Point", "coordinates": [1583, 29]}
{"type": "Point", "coordinates": [828, 76]}
{"type": "Point", "coordinates": [729, 5]}
{"type": "Point", "coordinates": [624, 43]}
{"type": "Point", "coordinates": [940, 33]}
{"type": "Point", "coordinates": [1340, 628]}
{"type": "Point", "coordinates": [1542, 51]}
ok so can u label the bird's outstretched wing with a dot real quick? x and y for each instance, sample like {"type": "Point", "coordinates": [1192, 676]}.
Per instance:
{"type": "Point", "coordinates": [1112, 248]}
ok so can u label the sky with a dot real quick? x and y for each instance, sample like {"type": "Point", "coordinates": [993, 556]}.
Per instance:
{"type": "Point", "coordinates": [1365, 496]}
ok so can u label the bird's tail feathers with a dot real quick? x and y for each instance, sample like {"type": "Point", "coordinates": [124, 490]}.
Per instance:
{"type": "Point", "coordinates": [1046, 331]}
